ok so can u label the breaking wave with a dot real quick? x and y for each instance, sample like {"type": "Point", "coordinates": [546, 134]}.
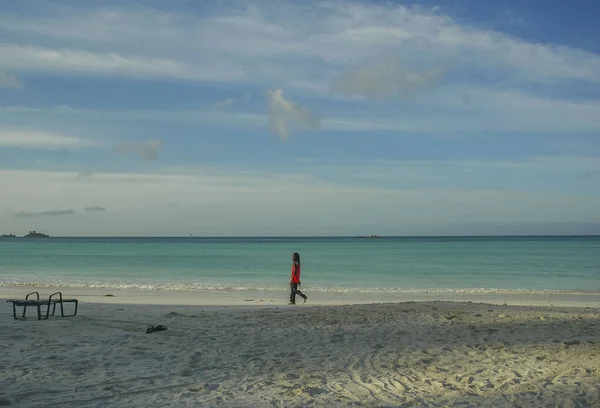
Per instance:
{"type": "Point", "coordinates": [9, 281]}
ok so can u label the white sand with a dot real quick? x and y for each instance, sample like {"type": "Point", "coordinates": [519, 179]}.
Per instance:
{"type": "Point", "coordinates": [425, 354]}
{"type": "Point", "coordinates": [274, 298]}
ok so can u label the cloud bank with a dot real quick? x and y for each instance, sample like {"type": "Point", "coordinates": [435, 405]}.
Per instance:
{"type": "Point", "coordinates": [252, 203]}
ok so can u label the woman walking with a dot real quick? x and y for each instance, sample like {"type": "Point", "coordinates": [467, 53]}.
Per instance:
{"type": "Point", "coordinates": [295, 280]}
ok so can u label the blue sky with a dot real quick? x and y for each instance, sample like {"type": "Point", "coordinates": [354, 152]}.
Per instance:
{"type": "Point", "coordinates": [157, 117]}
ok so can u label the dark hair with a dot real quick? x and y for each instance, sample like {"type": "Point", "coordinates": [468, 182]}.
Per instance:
{"type": "Point", "coordinates": [297, 257]}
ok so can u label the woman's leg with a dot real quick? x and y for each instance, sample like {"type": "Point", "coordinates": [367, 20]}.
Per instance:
{"type": "Point", "coordinates": [301, 294]}
{"type": "Point", "coordinates": [293, 287]}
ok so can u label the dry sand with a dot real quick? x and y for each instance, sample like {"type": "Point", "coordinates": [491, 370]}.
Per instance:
{"type": "Point", "coordinates": [410, 354]}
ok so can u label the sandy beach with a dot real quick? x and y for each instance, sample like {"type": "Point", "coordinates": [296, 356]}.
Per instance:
{"type": "Point", "coordinates": [257, 353]}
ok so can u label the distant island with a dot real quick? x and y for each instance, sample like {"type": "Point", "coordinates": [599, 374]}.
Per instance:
{"type": "Point", "coordinates": [33, 234]}
{"type": "Point", "coordinates": [369, 237]}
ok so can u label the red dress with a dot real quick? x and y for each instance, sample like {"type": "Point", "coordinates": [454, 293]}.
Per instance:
{"type": "Point", "coordinates": [295, 273]}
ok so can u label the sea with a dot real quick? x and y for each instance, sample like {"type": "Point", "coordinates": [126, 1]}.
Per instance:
{"type": "Point", "coordinates": [476, 265]}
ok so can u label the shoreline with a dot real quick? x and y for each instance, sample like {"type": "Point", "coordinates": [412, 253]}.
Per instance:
{"type": "Point", "coordinates": [279, 298]}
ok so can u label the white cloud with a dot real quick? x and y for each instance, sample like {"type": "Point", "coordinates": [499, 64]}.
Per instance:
{"type": "Point", "coordinates": [223, 104]}
{"type": "Point", "coordinates": [48, 213]}
{"type": "Point", "coordinates": [33, 139]}
{"type": "Point", "coordinates": [35, 59]}
{"type": "Point", "coordinates": [198, 116]}
{"type": "Point", "coordinates": [9, 81]}
{"type": "Point", "coordinates": [220, 203]}
{"type": "Point", "coordinates": [62, 109]}
{"type": "Point", "coordinates": [285, 114]}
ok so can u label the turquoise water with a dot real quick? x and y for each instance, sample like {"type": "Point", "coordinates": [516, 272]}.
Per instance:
{"type": "Point", "coordinates": [490, 264]}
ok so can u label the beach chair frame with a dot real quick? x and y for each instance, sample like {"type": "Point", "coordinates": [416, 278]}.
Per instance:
{"type": "Point", "coordinates": [62, 301]}
{"type": "Point", "coordinates": [50, 303]}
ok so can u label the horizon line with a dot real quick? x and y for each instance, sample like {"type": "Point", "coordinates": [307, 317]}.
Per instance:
{"type": "Point", "coordinates": [316, 236]}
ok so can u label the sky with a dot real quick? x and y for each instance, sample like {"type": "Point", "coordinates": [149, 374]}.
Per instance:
{"type": "Point", "coordinates": [288, 118]}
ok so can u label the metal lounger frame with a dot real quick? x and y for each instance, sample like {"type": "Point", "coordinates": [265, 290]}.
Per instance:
{"type": "Point", "coordinates": [39, 303]}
